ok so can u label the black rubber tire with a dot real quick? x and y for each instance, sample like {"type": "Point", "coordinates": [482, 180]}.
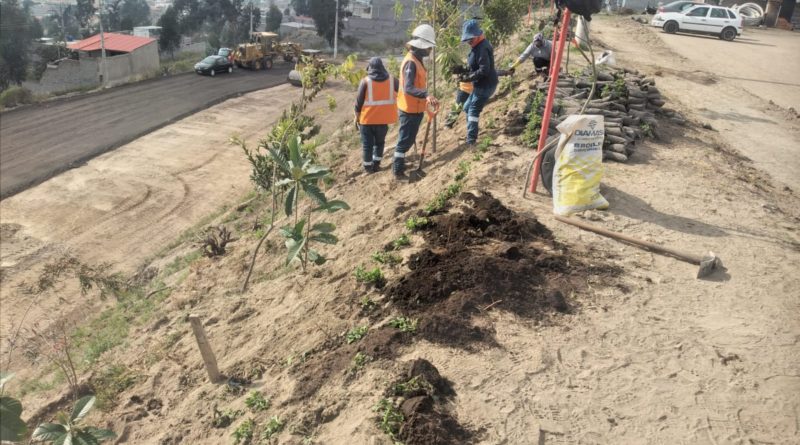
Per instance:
{"type": "Point", "coordinates": [728, 34]}
{"type": "Point", "coordinates": [267, 63]}
{"type": "Point", "coordinates": [671, 27]}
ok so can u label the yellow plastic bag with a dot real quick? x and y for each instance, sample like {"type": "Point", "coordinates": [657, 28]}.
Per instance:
{"type": "Point", "coordinates": [579, 165]}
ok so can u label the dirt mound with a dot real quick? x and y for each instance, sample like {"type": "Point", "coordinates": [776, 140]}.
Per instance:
{"type": "Point", "coordinates": [486, 256]}
{"type": "Point", "coordinates": [486, 218]}
{"type": "Point", "coordinates": [424, 395]}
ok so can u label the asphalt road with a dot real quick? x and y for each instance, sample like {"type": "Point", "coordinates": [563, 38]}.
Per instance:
{"type": "Point", "coordinates": [40, 141]}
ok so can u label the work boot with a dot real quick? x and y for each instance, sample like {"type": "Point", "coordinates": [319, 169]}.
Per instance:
{"type": "Point", "coordinates": [376, 167]}
{"type": "Point", "coordinates": [401, 176]}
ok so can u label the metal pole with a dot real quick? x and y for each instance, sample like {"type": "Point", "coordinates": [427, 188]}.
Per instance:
{"type": "Point", "coordinates": [555, 66]}
{"type": "Point", "coordinates": [336, 33]}
{"type": "Point", "coordinates": [103, 67]}
{"type": "Point", "coordinates": [433, 60]}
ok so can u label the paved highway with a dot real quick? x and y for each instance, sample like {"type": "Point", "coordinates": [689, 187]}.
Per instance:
{"type": "Point", "coordinates": [40, 141]}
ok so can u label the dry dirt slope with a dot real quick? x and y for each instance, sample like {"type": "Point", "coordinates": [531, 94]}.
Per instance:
{"type": "Point", "coordinates": [653, 356]}
{"type": "Point", "coordinates": [650, 355]}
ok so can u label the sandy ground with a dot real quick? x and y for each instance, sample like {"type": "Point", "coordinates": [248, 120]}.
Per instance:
{"type": "Point", "coordinates": [728, 85]}
{"type": "Point", "coordinates": [128, 204]}
{"type": "Point", "coordinates": [658, 358]}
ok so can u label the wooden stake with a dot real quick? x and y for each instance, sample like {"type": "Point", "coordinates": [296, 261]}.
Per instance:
{"type": "Point", "coordinates": [205, 349]}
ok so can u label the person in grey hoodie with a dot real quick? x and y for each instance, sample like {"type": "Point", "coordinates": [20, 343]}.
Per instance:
{"type": "Point", "coordinates": [375, 109]}
{"type": "Point", "coordinates": [539, 52]}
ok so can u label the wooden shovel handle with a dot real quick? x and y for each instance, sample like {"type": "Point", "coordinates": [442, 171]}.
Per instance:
{"type": "Point", "coordinates": [694, 259]}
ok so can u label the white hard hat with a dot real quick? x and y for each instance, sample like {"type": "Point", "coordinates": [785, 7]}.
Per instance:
{"type": "Point", "coordinates": [425, 37]}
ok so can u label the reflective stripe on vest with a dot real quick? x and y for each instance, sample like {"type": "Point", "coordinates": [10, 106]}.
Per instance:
{"type": "Point", "coordinates": [380, 104]}
{"type": "Point", "coordinates": [407, 102]}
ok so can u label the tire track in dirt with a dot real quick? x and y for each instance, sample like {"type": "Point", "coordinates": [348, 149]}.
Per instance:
{"type": "Point", "coordinates": [41, 141]}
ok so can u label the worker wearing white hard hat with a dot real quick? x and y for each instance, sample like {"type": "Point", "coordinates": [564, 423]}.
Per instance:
{"type": "Point", "coordinates": [413, 98]}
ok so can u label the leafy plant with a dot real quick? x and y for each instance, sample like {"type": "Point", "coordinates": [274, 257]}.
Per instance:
{"type": "Point", "coordinates": [359, 361]}
{"type": "Point", "coordinates": [462, 171]}
{"type": "Point", "coordinates": [243, 434]}
{"type": "Point", "coordinates": [530, 135]}
{"type": "Point", "coordinates": [387, 258]}
{"type": "Point", "coordinates": [367, 304]}
{"type": "Point", "coordinates": [274, 426]}
{"type": "Point", "coordinates": [374, 276]}
{"type": "Point", "coordinates": [331, 102]}
{"type": "Point", "coordinates": [401, 241]}
{"type": "Point", "coordinates": [413, 385]}
{"type": "Point", "coordinates": [356, 334]}
{"type": "Point", "coordinates": [390, 419]}
{"type": "Point", "coordinates": [256, 402]}
{"type": "Point", "coordinates": [415, 223]}
{"type": "Point", "coordinates": [301, 175]}
{"type": "Point", "coordinates": [646, 129]}
{"type": "Point", "coordinates": [12, 427]}
{"type": "Point", "coordinates": [68, 431]}
{"type": "Point", "coordinates": [404, 324]}
{"type": "Point", "coordinates": [440, 200]}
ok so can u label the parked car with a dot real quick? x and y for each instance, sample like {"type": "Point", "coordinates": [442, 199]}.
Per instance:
{"type": "Point", "coordinates": [226, 53]}
{"type": "Point", "coordinates": [701, 19]}
{"type": "Point", "coordinates": [213, 64]}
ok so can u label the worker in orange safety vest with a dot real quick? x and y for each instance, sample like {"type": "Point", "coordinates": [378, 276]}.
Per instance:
{"type": "Point", "coordinates": [375, 109]}
{"type": "Point", "coordinates": [413, 99]}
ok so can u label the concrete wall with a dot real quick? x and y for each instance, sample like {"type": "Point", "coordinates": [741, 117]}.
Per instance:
{"type": "Point", "coordinates": [72, 74]}
{"type": "Point", "coordinates": [67, 75]}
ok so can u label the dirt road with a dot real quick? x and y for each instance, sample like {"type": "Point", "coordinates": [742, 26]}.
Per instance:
{"type": "Point", "coordinates": [41, 141]}
{"type": "Point", "coordinates": [727, 85]}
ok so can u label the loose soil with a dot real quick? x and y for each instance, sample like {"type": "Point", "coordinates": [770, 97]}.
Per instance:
{"type": "Point", "coordinates": [648, 354]}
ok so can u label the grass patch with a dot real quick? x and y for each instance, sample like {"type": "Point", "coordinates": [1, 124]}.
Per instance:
{"type": "Point", "coordinates": [243, 434]}
{"type": "Point", "coordinates": [390, 419]}
{"type": "Point", "coordinates": [359, 361]}
{"type": "Point", "coordinates": [273, 427]}
{"type": "Point", "coordinates": [110, 382]}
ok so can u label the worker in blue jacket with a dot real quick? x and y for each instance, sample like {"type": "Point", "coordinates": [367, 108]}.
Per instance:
{"type": "Point", "coordinates": [481, 72]}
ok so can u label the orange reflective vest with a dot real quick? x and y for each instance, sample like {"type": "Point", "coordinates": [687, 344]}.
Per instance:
{"type": "Point", "coordinates": [407, 102]}
{"type": "Point", "coordinates": [380, 104]}
{"type": "Point", "coordinates": [466, 87]}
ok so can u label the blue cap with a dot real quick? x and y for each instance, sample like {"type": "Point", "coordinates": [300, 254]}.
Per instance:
{"type": "Point", "coordinates": [470, 30]}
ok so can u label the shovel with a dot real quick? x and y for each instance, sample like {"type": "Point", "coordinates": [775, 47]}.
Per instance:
{"type": "Point", "coordinates": [708, 263]}
{"type": "Point", "coordinates": [431, 113]}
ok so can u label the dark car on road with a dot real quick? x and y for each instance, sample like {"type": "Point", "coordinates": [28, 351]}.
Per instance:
{"type": "Point", "coordinates": [213, 64]}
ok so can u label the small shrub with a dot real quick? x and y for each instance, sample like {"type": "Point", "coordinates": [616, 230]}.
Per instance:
{"type": "Point", "coordinates": [387, 258]}
{"type": "Point", "coordinates": [359, 361]}
{"type": "Point", "coordinates": [357, 333]}
{"type": "Point", "coordinates": [367, 304]}
{"type": "Point", "coordinates": [14, 96]}
{"type": "Point", "coordinates": [274, 426]}
{"type": "Point", "coordinates": [374, 276]}
{"type": "Point", "coordinates": [646, 129]}
{"type": "Point", "coordinates": [243, 434]}
{"type": "Point", "coordinates": [404, 324]}
{"type": "Point", "coordinates": [413, 385]}
{"type": "Point", "coordinates": [256, 402]}
{"type": "Point", "coordinates": [401, 241]}
{"type": "Point", "coordinates": [390, 419]}
{"type": "Point", "coordinates": [415, 223]}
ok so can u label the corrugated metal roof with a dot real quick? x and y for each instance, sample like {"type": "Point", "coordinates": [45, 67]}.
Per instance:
{"type": "Point", "coordinates": [113, 42]}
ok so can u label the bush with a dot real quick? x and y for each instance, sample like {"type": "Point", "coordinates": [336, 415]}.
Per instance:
{"type": "Point", "coordinates": [15, 96]}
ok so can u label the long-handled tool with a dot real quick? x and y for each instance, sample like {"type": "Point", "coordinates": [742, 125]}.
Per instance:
{"type": "Point", "coordinates": [708, 263]}
{"type": "Point", "coordinates": [430, 113]}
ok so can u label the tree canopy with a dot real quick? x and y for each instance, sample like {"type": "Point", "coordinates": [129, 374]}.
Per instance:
{"type": "Point", "coordinates": [324, 14]}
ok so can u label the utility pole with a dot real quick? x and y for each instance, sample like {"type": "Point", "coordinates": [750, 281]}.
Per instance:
{"type": "Point", "coordinates": [103, 70]}
{"type": "Point", "coordinates": [336, 33]}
